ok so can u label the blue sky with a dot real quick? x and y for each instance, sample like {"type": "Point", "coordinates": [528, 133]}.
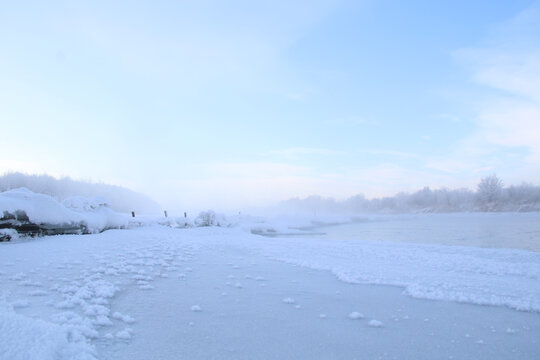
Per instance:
{"type": "Point", "coordinates": [244, 103]}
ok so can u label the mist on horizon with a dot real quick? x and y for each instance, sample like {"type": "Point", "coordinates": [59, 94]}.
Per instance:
{"type": "Point", "coordinates": [245, 105]}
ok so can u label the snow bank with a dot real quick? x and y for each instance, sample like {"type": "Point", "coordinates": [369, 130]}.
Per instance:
{"type": "Point", "coordinates": [40, 208]}
{"type": "Point", "coordinates": [94, 214]}
{"type": "Point", "coordinates": [25, 338]}
{"type": "Point", "coordinates": [97, 214]}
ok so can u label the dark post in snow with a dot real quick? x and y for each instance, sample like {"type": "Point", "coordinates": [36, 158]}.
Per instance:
{"type": "Point", "coordinates": [133, 214]}
{"type": "Point", "coordinates": [185, 217]}
{"type": "Point", "coordinates": [165, 212]}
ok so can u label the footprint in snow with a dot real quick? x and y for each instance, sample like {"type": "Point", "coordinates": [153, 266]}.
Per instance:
{"type": "Point", "coordinates": [37, 293]}
{"type": "Point", "coordinates": [20, 304]}
{"type": "Point", "coordinates": [30, 283]}
{"type": "Point", "coordinates": [18, 277]}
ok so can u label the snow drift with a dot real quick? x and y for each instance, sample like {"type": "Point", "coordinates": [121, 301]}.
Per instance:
{"type": "Point", "coordinates": [90, 215]}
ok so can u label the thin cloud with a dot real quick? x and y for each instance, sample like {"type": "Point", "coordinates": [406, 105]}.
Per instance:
{"type": "Point", "coordinates": [399, 154]}
{"type": "Point", "coordinates": [305, 151]}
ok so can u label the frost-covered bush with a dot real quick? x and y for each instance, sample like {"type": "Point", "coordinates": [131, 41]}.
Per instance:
{"type": "Point", "coordinates": [206, 218]}
{"type": "Point", "coordinates": [210, 218]}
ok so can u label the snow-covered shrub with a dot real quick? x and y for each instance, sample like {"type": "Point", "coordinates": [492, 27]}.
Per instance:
{"type": "Point", "coordinates": [210, 218]}
{"type": "Point", "coordinates": [206, 218]}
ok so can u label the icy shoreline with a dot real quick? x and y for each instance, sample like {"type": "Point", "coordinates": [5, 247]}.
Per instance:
{"type": "Point", "coordinates": [72, 289]}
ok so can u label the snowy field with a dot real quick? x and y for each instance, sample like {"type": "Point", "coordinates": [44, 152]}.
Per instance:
{"type": "Point", "coordinates": [155, 292]}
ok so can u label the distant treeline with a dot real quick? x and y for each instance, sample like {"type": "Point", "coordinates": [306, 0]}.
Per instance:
{"type": "Point", "coordinates": [490, 195]}
{"type": "Point", "coordinates": [120, 198]}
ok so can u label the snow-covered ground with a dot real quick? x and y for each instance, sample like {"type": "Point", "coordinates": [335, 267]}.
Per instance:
{"type": "Point", "coordinates": [94, 214]}
{"type": "Point", "coordinates": [156, 292]}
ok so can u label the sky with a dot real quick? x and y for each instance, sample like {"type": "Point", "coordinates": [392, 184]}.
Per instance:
{"type": "Point", "coordinates": [234, 104]}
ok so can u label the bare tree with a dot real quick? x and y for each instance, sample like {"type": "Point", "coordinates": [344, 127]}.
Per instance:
{"type": "Point", "coordinates": [489, 193]}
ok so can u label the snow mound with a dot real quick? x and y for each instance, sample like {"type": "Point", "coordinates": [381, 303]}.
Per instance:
{"type": "Point", "coordinates": [39, 208]}
{"type": "Point", "coordinates": [376, 323]}
{"type": "Point", "coordinates": [356, 315]}
{"type": "Point", "coordinates": [92, 214]}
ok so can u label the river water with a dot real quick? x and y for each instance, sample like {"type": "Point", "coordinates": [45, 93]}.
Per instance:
{"type": "Point", "coordinates": [491, 230]}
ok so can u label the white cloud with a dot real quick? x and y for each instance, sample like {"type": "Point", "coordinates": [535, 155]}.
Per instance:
{"type": "Point", "coordinates": [513, 123]}
{"type": "Point", "coordinates": [508, 67]}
